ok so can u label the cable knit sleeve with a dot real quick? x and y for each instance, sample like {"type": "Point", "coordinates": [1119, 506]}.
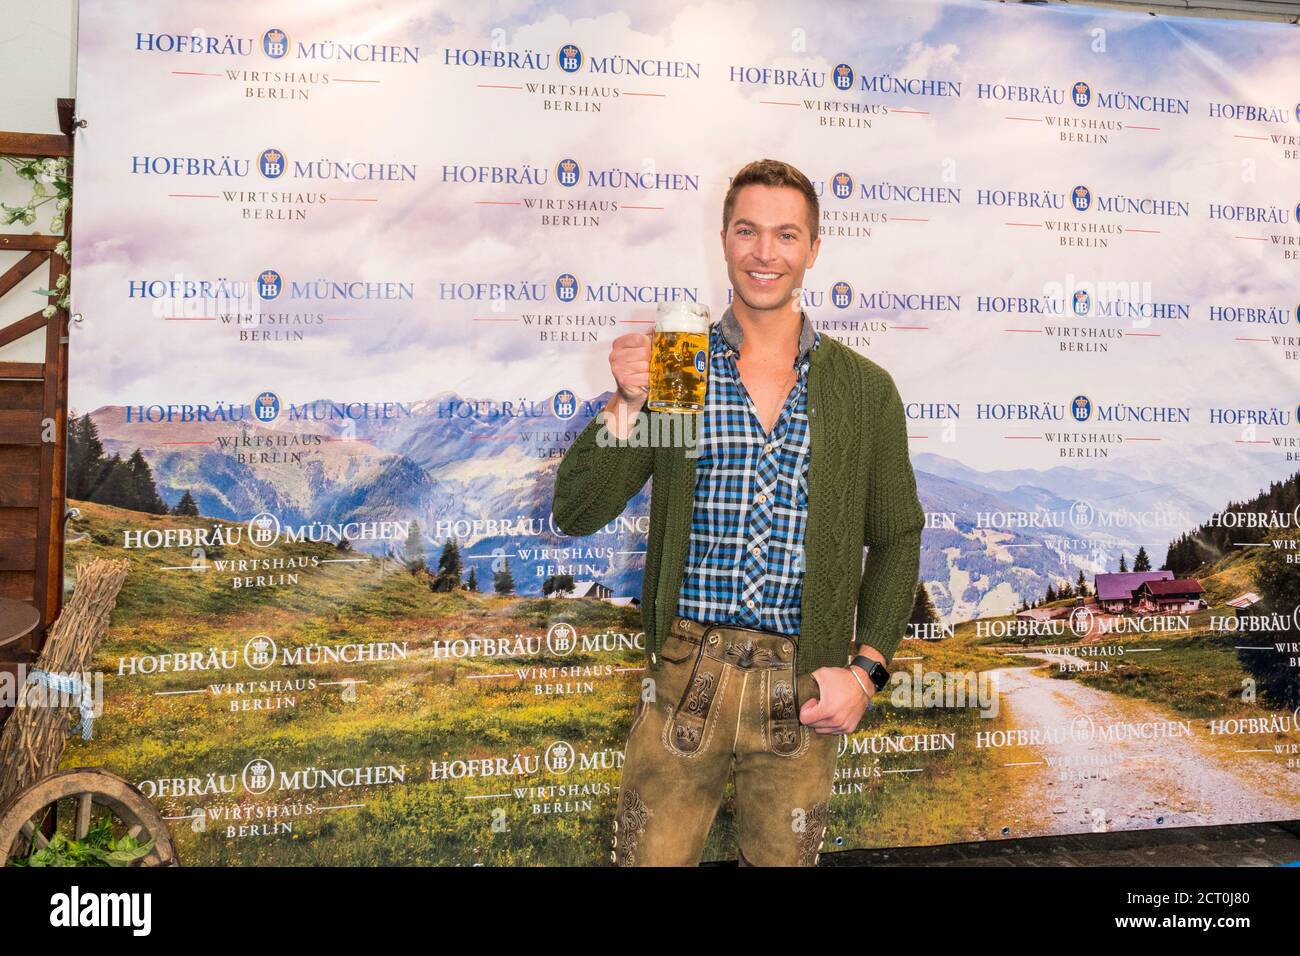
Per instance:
{"type": "Point", "coordinates": [892, 530]}
{"type": "Point", "coordinates": [594, 482]}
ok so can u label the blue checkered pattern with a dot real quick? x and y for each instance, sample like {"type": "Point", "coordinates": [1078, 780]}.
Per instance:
{"type": "Point", "coordinates": [744, 563]}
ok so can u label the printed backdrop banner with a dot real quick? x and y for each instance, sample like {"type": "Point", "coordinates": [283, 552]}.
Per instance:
{"type": "Point", "coordinates": [348, 278]}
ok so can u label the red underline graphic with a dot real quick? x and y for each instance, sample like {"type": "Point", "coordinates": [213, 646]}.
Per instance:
{"type": "Point", "coordinates": [912, 112]}
{"type": "Point", "coordinates": [1154, 232]}
{"type": "Point", "coordinates": [193, 73]}
{"type": "Point", "coordinates": [208, 442]}
{"type": "Point", "coordinates": [1253, 238]}
{"type": "Point", "coordinates": [338, 80]}
{"type": "Point", "coordinates": [1143, 334]}
{"type": "Point", "coordinates": [908, 219]}
{"type": "Point", "coordinates": [189, 318]}
{"type": "Point", "coordinates": [1242, 338]}
{"type": "Point", "coordinates": [660, 208]}
{"type": "Point", "coordinates": [497, 86]}
{"type": "Point", "coordinates": [1024, 437]}
{"type": "Point", "coordinates": [1150, 129]}
{"type": "Point", "coordinates": [192, 196]}
{"type": "Point", "coordinates": [777, 103]}
{"type": "Point", "coordinates": [1031, 225]}
{"type": "Point", "coordinates": [1244, 136]}
{"type": "Point", "coordinates": [1025, 119]}
{"type": "Point", "coordinates": [493, 318]}
{"type": "Point", "coordinates": [496, 202]}
{"type": "Point", "coordinates": [644, 94]}
{"type": "Point", "coordinates": [908, 326]}
{"type": "Point", "coordinates": [1022, 330]}
{"type": "Point", "coordinates": [349, 199]}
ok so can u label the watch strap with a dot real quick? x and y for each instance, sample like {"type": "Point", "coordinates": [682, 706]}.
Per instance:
{"type": "Point", "coordinates": [874, 669]}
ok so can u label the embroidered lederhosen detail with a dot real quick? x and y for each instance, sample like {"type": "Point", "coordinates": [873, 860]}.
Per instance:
{"type": "Point", "coordinates": [747, 649]}
{"type": "Point", "coordinates": [686, 727]}
{"type": "Point", "coordinates": [630, 822]}
{"type": "Point", "coordinates": [812, 835]}
{"type": "Point", "coordinates": [785, 735]}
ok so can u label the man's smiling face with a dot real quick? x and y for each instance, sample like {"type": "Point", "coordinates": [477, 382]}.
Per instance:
{"type": "Point", "coordinates": [767, 248]}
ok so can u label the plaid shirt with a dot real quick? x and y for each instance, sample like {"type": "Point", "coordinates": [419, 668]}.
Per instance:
{"type": "Point", "coordinates": [744, 563]}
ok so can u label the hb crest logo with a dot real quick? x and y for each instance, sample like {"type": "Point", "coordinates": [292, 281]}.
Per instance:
{"type": "Point", "coordinates": [1082, 301]}
{"type": "Point", "coordinates": [842, 77]}
{"type": "Point", "coordinates": [568, 172]}
{"type": "Point", "coordinates": [564, 404]}
{"type": "Point", "coordinates": [259, 652]}
{"type": "Point", "coordinates": [263, 530]}
{"type": "Point", "coordinates": [1081, 408]}
{"type": "Point", "coordinates": [701, 362]}
{"type": "Point", "coordinates": [841, 295]}
{"type": "Point", "coordinates": [567, 287]}
{"type": "Point", "coordinates": [1081, 93]}
{"type": "Point", "coordinates": [562, 639]}
{"type": "Point", "coordinates": [269, 284]}
{"type": "Point", "coordinates": [275, 43]}
{"type": "Point", "coordinates": [570, 58]}
{"type": "Point", "coordinates": [258, 776]}
{"type": "Point", "coordinates": [1082, 197]}
{"type": "Point", "coordinates": [271, 163]}
{"type": "Point", "coordinates": [842, 185]}
{"type": "Point", "coordinates": [266, 407]}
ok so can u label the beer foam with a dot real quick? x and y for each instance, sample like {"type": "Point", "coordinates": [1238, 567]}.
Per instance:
{"type": "Point", "coordinates": [682, 317]}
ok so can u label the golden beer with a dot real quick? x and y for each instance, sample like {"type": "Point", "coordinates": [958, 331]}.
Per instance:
{"type": "Point", "coordinates": [679, 358]}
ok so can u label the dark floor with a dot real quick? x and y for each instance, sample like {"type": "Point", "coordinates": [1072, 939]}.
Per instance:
{"type": "Point", "coordinates": [1247, 844]}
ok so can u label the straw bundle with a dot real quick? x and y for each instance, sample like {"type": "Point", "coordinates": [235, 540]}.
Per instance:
{"type": "Point", "coordinates": [31, 741]}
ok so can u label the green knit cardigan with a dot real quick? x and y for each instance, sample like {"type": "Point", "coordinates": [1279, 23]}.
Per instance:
{"type": "Point", "coordinates": [861, 493]}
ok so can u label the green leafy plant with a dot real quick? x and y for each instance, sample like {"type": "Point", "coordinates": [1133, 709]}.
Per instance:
{"type": "Point", "coordinates": [50, 183]}
{"type": "Point", "coordinates": [99, 848]}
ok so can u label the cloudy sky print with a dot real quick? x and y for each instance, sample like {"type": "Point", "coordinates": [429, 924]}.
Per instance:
{"type": "Point", "coordinates": [438, 230]}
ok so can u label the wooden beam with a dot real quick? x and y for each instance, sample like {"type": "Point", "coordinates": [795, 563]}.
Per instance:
{"type": "Point", "coordinates": [34, 370]}
{"type": "Point", "coordinates": [54, 455]}
{"type": "Point", "coordinates": [12, 241]}
{"type": "Point", "coordinates": [20, 270]}
{"type": "Point", "coordinates": [35, 145]}
{"type": "Point", "coordinates": [24, 326]}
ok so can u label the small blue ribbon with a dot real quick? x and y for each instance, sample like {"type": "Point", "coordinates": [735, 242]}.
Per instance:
{"type": "Point", "coordinates": [69, 685]}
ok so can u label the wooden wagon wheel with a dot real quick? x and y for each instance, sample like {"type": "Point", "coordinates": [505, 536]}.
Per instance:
{"type": "Point", "coordinates": [21, 816]}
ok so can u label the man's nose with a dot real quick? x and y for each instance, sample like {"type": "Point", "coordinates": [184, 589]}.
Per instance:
{"type": "Point", "coordinates": [763, 249]}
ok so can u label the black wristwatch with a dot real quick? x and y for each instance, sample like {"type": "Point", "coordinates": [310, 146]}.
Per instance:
{"type": "Point", "coordinates": [875, 670]}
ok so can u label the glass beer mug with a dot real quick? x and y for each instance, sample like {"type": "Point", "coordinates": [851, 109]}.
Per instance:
{"type": "Point", "coordinates": [679, 358]}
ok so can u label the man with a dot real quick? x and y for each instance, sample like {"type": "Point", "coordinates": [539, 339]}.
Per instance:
{"type": "Point", "coordinates": [754, 568]}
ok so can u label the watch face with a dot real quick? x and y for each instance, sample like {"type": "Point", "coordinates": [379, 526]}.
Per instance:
{"type": "Point", "coordinates": [875, 670]}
